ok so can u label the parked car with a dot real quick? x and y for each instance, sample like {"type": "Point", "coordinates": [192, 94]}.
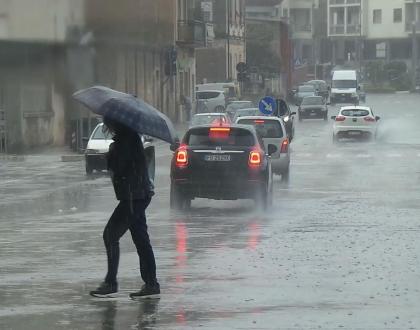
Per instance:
{"type": "Point", "coordinates": [209, 118]}
{"type": "Point", "coordinates": [321, 88]}
{"type": "Point", "coordinates": [283, 112]}
{"type": "Point", "coordinates": [98, 146]}
{"type": "Point", "coordinates": [236, 105]}
{"type": "Point", "coordinates": [210, 101]}
{"type": "Point", "coordinates": [303, 91]}
{"type": "Point", "coordinates": [246, 112]}
{"type": "Point", "coordinates": [222, 163]}
{"type": "Point", "coordinates": [313, 107]}
{"type": "Point", "coordinates": [272, 131]}
{"type": "Point", "coordinates": [355, 122]}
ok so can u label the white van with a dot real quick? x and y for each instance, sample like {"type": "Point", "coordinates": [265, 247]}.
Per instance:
{"type": "Point", "coordinates": [231, 89]}
{"type": "Point", "coordinates": [345, 87]}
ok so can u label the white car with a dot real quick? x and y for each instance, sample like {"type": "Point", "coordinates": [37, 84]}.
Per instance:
{"type": "Point", "coordinates": [355, 122]}
{"type": "Point", "coordinates": [98, 146]}
{"type": "Point", "coordinates": [209, 118]}
{"type": "Point", "coordinates": [272, 131]}
{"type": "Point", "coordinates": [210, 101]}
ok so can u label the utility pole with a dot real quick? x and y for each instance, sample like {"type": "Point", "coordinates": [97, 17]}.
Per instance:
{"type": "Point", "coordinates": [414, 45]}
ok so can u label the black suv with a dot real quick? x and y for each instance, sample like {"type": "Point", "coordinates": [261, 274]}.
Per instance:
{"type": "Point", "coordinates": [222, 163]}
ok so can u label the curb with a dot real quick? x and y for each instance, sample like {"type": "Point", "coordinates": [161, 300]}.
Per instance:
{"type": "Point", "coordinates": [16, 158]}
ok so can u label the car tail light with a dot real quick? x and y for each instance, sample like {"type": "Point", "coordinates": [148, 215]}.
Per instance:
{"type": "Point", "coordinates": [340, 118]}
{"type": "Point", "coordinates": [284, 148]}
{"type": "Point", "coordinates": [259, 121]}
{"type": "Point", "coordinates": [369, 119]}
{"type": "Point", "coordinates": [181, 157]}
{"type": "Point", "coordinates": [254, 158]}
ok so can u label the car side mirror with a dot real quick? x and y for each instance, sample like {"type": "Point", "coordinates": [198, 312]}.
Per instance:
{"type": "Point", "coordinates": [174, 146]}
{"type": "Point", "coordinates": [377, 118]}
{"type": "Point", "coordinates": [271, 149]}
{"type": "Point", "coordinates": [333, 117]}
{"type": "Point", "coordinates": [293, 113]}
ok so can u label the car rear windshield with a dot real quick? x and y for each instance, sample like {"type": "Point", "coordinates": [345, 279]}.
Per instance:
{"type": "Point", "coordinates": [207, 95]}
{"type": "Point", "coordinates": [207, 119]}
{"type": "Point", "coordinates": [306, 88]}
{"type": "Point", "coordinates": [229, 137]}
{"type": "Point", "coordinates": [313, 101]}
{"type": "Point", "coordinates": [264, 128]}
{"type": "Point", "coordinates": [355, 113]}
{"type": "Point", "coordinates": [101, 133]}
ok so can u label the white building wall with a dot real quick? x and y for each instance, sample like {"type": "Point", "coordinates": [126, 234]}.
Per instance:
{"type": "Point", "coordinates": [39, 20]}
{"type": "Point", "coordinates": [387, 29]}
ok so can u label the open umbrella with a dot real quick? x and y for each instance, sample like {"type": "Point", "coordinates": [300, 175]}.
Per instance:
{"type": "Point", "coordinates": [128, 110]}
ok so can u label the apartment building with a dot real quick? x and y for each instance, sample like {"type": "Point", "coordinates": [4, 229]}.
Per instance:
{"type": "Point", "coordinates": [218, 61]}
{"type": "Point", "coordinates": [371, 29]}
{"type": "Point", "coordinates": [34, 39]}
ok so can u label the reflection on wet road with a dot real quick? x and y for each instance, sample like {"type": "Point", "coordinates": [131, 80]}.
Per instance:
{"type": "Point", "coordinates": [338, 250]}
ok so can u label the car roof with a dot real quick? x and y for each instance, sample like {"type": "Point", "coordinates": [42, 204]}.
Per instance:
{"type": "Point", "coordinates": [210, 90]}
{"type": "Point", "coordinates": [355, 107]}
{"type": "Point", "coordinates": [306, 85]}
{"type": "Point", "coordinates": [210, 114]}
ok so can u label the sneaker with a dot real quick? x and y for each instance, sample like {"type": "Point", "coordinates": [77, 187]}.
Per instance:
{"type": "Point", "coordinates": [105, 290]}
{"type": "Point", "coordinates": [146, 291]}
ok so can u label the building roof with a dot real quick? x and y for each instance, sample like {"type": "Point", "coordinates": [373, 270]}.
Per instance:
{"type": "Point", "coordinates": [263, 3]}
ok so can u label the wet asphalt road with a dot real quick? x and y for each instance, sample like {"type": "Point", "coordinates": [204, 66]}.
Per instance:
{"type": "Point", "coordinates": [339, 249]}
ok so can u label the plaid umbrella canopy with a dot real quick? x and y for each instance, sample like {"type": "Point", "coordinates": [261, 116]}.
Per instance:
{"type": "Point", "coordinates": [128, 110]}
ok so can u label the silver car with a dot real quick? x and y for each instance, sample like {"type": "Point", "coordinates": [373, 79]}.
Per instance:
{"type": "Point", "coordinates": [272, 131]}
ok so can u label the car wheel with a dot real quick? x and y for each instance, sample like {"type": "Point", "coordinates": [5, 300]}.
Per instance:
{"type": "Point", "coordinates": [219, 108]}
{"type": "Point", "coordinates": [176, 200]}
{"type": "Point", "coordinates": [89, 169]}
{"type": "Point", "coordinates": [262, 197]}
{"type": "Point", "coordinates": [285, 176]}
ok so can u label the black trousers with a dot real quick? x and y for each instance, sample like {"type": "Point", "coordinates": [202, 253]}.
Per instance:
{"type": "Point", "coordinates": [130, 215]}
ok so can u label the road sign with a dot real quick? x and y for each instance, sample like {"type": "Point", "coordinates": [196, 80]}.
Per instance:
{"type": "Point", "coordinates": [267, 105]}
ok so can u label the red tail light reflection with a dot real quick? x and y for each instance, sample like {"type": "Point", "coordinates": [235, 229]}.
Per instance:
{"type": "Point", "coordinates": [254, 158]}
{"type": "Point", "coordinates": [181, 156]}
{"type": "Point", "coordinates": [284, 146]}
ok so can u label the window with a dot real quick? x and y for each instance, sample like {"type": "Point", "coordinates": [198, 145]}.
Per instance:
{"type": "Point", "coordinates": [377, 16]}
{"type": "Point", "coordinates": [397, 15]}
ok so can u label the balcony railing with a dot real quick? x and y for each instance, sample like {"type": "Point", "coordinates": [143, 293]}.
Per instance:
{"type": "Point", "coordinates": [195, 33]}
{"type": "Point", "coordinates": [344, 2]}
{"type": "Point", "coordinates": [341, 29]}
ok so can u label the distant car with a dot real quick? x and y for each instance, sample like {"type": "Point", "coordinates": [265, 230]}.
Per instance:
{"type": "Point", "coordinates": [355, 122]}
{"type": "Point", "coordinates": [210, 101]}
{"type": "Point", "coordinates": [209, 118]}
{"type": "Point", "coordinates": [321, 88]}
{"type": "Point", "coordinates": [246, 112]}
{"type": "Point", "coordinates": [313, 107]}
{"type": "Point", "coordinates": [236, 105]}
{"type": "Point", "coordinates": [98, 147]}
{"type": "Point", "coordinates": [304, 91]}
{"type": "Point", "coordinates": [222, 163]}
{"type": "Point", "coordinates": [272, 131]}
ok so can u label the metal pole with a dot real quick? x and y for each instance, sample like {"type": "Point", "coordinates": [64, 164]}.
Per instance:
{"type": "Point", "coordinates": [414, 46]}
{"type": "Point", "coordinates": [229, 12]}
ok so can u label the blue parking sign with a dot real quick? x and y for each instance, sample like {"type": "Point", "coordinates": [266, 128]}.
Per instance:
{"type": "Point", "coordinates": [267, 105]}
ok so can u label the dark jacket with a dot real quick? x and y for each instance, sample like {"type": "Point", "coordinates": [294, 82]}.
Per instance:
{"type": "Point", "coordinates": [128, 168]}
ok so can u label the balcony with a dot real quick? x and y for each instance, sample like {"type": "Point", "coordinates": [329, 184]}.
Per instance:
{"type": "Point", "coordinates": [345, 30]}
{"type": "Point", "coordinates": [195, 34]}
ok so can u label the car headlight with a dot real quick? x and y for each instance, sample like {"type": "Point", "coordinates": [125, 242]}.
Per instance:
{"type": "Point", "coordinates": [286, 119]}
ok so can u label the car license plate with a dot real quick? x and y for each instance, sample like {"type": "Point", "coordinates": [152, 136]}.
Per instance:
{"type": "Point", "coordinates": [217, 158]}
{"type": "Point", "coordinates": [354, 133]}
{"type": "Point", "coordinates": [313, 113]}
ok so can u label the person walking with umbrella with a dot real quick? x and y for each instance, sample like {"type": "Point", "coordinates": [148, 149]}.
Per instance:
{"type": "Point", "coordinates": [134, 190]}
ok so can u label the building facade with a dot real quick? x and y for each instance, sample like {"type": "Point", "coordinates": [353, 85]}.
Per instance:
{"type": "Point", "coordinates": [33, 72]}
{"type": "Point", "coordinates": [217, 63]}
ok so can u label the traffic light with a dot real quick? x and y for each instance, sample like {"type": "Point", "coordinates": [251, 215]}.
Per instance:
{"type": "Point", "coordinates": [170, 64]}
